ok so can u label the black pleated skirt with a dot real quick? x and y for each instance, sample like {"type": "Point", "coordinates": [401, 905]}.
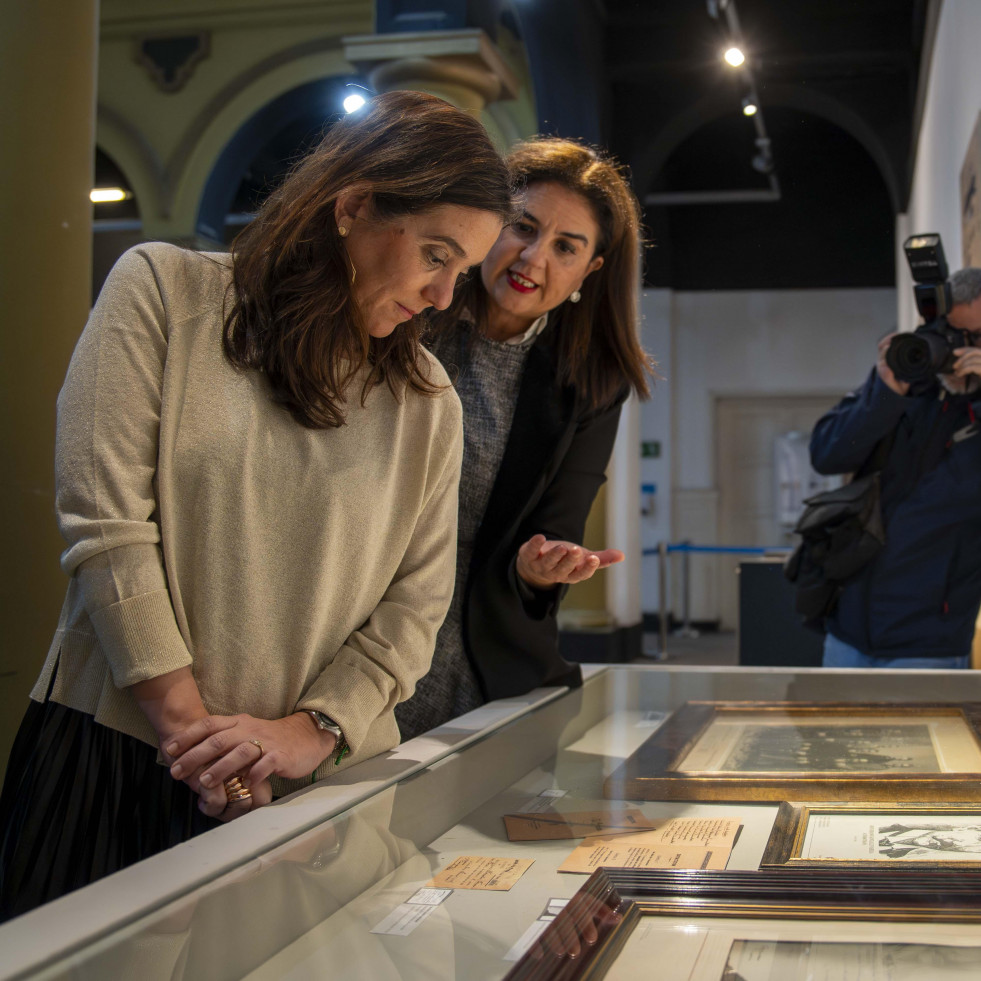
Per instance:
{"type": "Point", "coordinates": [80, 801]}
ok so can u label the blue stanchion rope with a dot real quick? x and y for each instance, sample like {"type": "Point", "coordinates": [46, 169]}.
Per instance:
{"type": "Point", "coordinates": [736, 549]}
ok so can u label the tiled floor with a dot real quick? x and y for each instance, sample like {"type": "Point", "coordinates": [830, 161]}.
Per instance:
{"type": "Point", "coordinates": [714, 647]}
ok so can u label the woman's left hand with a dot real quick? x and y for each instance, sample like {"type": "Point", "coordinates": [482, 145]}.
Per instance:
{"type": "Point", "coordinates": [543, 563]}
{"type": "Point", "coordinates": [217, 747]}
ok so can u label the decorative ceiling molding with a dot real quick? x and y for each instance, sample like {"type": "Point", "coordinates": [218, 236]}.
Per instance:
{"type": "Point", "coordinates": [123, 18]}
{"type": "Point", "coordinates": [170, 60]}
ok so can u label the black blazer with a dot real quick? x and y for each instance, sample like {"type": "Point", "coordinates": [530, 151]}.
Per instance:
{"type": "Point", "coordinates": [553, 465]}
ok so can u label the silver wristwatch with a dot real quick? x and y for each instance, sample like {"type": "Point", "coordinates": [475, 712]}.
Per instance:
{"type": "Point", "coordinates": [326, 724]}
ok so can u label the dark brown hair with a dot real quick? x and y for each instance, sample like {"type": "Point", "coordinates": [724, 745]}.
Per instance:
{"type": "Point", "coordinates": [596, 340]}
{"type": "Point", "coordinates": [293, 314]}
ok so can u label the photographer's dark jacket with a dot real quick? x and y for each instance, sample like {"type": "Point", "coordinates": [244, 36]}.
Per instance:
{"type": "Point", "coordinates": [919, 597]}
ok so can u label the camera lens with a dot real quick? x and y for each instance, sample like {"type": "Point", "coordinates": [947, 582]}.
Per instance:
{"type": "Point", "coordinates": [908, 355]}
{"type": "Point", "coordinates": [918, 356]}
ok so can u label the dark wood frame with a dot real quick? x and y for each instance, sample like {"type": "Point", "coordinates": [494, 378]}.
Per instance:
{"type": "Point", "coordinates": [584, 940]}
{"type": "Point", "coordinates": [651, 774]}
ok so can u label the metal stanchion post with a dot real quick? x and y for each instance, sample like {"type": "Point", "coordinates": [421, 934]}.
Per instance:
{"type": "Point", "coordinates": [662, 598]}
{"type": "Point", "coordinates": [685, 630]}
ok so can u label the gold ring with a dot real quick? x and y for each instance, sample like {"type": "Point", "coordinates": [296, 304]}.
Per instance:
{"type": "Point", "coordinates": [255, 742]}
{"type": "Point", "coordinates": [236, 791]}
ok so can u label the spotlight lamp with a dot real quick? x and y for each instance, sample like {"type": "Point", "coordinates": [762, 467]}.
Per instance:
{"type": "Point", "coordinates": [749, 106]}
{"type": "Point", "coordinates": [734, 56]}
{"type": "Point", "coordinates": [353, 102]}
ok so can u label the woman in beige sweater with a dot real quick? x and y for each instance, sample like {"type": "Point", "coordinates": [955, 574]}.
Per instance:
{"type": "Point", "coordinates": [257, 471]}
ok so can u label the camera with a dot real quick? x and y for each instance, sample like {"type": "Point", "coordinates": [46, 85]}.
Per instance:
{"type": "Point", "coordinates": [929, 350]}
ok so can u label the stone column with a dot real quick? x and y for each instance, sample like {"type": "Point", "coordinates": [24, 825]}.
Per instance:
{"type": "Point", "coordinates": [48, 62]}
{"type": "Point", "coordinates": [463, 67]}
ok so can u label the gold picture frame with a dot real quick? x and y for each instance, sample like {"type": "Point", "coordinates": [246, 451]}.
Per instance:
{"type": "Point", "coordinates": [590, 933]}
{"type": "Point", "coordinates": [874, 835]}
{"type": "Point", "coordinates": [817, 751]}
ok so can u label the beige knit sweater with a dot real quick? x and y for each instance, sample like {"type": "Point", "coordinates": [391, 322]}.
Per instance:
{"type": "Point", "coordinates": [292, 568]}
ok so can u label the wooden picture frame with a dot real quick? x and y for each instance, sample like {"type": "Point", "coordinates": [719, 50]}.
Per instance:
{"type": "Point", "coordinates": [590, 933]}
{"type": "Point", "coordinates": [816, 751]}
{"type": "Point", "coordinates": [874, 835]}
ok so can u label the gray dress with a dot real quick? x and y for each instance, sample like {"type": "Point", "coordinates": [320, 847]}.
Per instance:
{"type": "Point", "coordinates": [487, 377]}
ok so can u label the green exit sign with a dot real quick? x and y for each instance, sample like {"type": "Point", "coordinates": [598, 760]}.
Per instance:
{"type": "Point", "coordinates": [651, 449]}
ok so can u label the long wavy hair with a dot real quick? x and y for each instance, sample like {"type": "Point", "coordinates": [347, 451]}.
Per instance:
{"type": "Point", "coordinates": [292, 314]}
{"type": "Point", "coordinates": [596, 340]}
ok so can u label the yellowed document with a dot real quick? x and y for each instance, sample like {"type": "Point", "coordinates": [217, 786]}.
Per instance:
{"type": "Point", "coordinates": [681, 843]}
{"type": "Point", "coordinates": [550, 824]}
{"type": "Point", "coordinates": [477, 872]}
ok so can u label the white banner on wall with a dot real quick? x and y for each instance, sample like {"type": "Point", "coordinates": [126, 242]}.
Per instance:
{"type": "Point", "coordinates": [796, 478]}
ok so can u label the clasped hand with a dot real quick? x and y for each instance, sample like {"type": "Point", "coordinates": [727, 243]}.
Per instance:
{"type": "Point", "coordinates": [216, 747]}
{"type": "Point", "coordinates": [542, 563]}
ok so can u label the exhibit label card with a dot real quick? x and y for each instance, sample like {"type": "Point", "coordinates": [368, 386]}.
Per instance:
{"type": "Point", "coordinates": [478, 872]}
{"type": "Point", "coordinates": [403, 919]}
{"type": "Point", "coordinates": [551, 824]}
{"type": "Point", "coordinates": [681, 843]}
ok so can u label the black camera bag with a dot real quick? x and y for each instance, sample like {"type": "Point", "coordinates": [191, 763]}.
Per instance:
{"type": "Point", "coordinates": [841, 532]}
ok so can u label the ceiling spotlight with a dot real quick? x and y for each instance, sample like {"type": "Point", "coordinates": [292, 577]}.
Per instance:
{"type": "Point", "coordinates": [353, 102]}
{"type": "Point", "coordinates": [734, 57]}
{"type": "Point", "coordinates": [105, 195]}
{"type": "Point", "coordinates": [749, 106]}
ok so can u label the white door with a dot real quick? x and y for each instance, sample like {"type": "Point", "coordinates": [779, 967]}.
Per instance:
{"type": "Point", "coordinates": [745, 433]}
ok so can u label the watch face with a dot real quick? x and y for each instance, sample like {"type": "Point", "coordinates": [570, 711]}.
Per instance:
{"type": "Point", "coordinates": [327, 723]}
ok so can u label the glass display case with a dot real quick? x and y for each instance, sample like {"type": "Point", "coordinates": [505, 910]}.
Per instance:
{"type": "Point", "coordinates": [333, 881]}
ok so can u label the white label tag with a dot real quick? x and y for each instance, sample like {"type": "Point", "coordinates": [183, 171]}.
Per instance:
{"type": "Point", "coordinates": [404, 919]}
{"type": "Point", "coordinates": [542, 802]}
{"type": "Point", "coordinates": [651, 720]}
{"type": "Point", "coordinates": [429, 897]}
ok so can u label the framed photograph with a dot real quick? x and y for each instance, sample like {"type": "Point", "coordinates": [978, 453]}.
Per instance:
{"type": "Point", "coordinates": [778, 751]}
{"type": "Point", "coordinates": [757, 926]}
{"type": "Point", "coordinates": [882, 835]}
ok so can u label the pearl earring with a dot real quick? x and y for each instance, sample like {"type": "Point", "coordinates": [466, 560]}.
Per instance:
{"type": "Point", "coordinates": [342, 231]}
{"type": "Point", "coordinates": [575, 296]}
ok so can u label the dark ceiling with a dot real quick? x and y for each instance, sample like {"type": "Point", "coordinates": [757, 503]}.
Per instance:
{"type": "Point", "coordinates": [836, 82]}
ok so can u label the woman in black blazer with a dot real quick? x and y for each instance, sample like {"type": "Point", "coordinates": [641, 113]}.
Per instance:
{"type": "Point", "coordinates": [543, 349]}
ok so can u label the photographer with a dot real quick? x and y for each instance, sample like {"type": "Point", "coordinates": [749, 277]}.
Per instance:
{"type": "Point", "coordinates": [915, 604]}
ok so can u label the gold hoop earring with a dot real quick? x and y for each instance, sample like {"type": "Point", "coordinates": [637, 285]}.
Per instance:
{"type": "Point", "coordinates": [575, 296]}
{"type": "Point", "coordinates": [354, 273]}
